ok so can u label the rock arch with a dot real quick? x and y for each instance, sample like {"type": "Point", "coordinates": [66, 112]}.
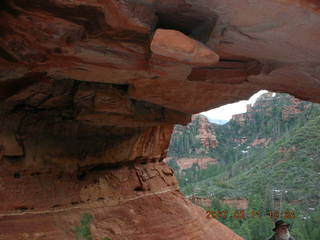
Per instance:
{"type": "Point", "coordinates": [90, 91]}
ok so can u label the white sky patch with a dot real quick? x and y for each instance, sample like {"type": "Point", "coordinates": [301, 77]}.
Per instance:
{"type": "Point", "coordinates": [225, 112]}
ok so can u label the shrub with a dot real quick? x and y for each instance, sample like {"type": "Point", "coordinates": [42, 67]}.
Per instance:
{"type": "Point", "coordinates": [83, 231]}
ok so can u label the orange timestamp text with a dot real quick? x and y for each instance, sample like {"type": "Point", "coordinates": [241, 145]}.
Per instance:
{"type": "Point", "coordinates": [243, 214]}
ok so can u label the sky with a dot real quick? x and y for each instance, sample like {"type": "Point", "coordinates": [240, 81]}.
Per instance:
{"type": "Point", "coordinates": [225, 112]}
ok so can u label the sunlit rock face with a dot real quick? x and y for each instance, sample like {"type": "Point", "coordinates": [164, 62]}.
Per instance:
{"type": "Point", "coordinates": [90, 90]}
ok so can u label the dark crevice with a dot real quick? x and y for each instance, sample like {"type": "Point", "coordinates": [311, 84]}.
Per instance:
{"type": "Point", "coordinates": [22, 208]}
{"type": "Point", "coordinates": [138, 189]}
{"type": "Point", "coordinates": [233, 60]}
{"type": "Point", "coordinates": [106, 166]}
{"type": "Point", "coordinates": [35, 174]}
{"type": "Point", "coordinates": [91, 17]}
{"type": "Point", "coordinates": [219, 68]}
{"type": "Point", "coordinates": [81, 176]}
{"type": "Point", "coordinates": [8, 7]}
{"type": "Point", "coordinates": [194, 26]}
{"type": "Point", "coordinates": [17, 175]}
{"type": "Point", "coordinates": [98, 168]}
{"type": "Point", "coordinates": [84, 172]}
{"type": "Point", "coordinates": [123, 87]}
{"type": "Point", "coordinates": [7, 56]}
{"type": "Point", "coordinates": [13, 158]}
{"type": "Point", "coordinates": [12, 86]}
{"type": "Point", "coordinates": [100, 199]}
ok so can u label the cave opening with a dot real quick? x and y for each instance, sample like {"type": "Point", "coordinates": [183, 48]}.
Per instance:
{"type": "Point", "coordinates": [194, 26]}
{"type": "Point", "coordinates": [251, 160]}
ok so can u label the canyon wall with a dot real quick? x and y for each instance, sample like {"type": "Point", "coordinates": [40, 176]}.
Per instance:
{"type": "Point", "coordinates": [192, 144]}
{"type": "Point", "coordinates": [90, 90]}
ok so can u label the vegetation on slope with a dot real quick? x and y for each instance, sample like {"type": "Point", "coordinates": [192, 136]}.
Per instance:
{"type": "Point", "coordinates": [288, 164]}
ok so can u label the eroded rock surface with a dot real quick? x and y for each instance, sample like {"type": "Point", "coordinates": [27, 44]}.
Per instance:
{"type": "Point", "coordinates": [90, 90]}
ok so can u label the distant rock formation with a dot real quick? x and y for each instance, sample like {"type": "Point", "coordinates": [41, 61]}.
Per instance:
{"type": "Point", "coordinates": [199, 141]}
{"type": "Point", "coordinates": [195, 139]}
{"type": "Point", "coordinates": [206, 132]}
{"type": "Point", "coordinates": [201, 201]}
{"type": "Point", "coordinates": [186, 163]}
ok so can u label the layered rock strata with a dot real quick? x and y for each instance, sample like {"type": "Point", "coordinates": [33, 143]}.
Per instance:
{"type": "Point", "coordinates": [89, 91]}
{"type": "Point", "coordinates": [55, 172]}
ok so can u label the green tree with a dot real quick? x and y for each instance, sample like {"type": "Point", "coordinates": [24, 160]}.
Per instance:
{"type": "Point", "coordinates": [83, 231]}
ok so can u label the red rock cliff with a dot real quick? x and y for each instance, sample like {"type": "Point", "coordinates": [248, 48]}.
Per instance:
{"type": "Point", "coordinates": [89, 91]}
